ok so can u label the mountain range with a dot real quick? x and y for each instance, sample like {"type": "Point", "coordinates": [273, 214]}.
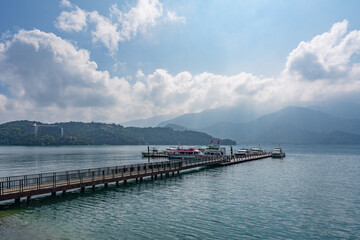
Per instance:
{"type": "Point", "coordinates": [291, 125]}
{"type": "Point", "coordinates": [332, 123]}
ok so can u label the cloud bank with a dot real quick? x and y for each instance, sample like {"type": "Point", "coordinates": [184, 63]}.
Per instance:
{"type": "Point", "coordinates": [50, 79]}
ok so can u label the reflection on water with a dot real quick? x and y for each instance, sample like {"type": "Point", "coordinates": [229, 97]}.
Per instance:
{"type": "Point", "coordinates": [311, 194]}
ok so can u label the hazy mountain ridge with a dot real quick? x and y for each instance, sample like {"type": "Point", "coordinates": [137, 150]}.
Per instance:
{"type": "Point", "coordinates": [210, 117]}
{"type": "Point", "coordinates": [349, 110]}
{"type": "Point", "coordinates": [291, 125]}
{"type": "Point", "coordinates": [147, 122]}
{"type": "Point", "coordinates": [327, 123]}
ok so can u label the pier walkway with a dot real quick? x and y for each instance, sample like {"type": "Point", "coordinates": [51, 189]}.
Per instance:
{"type": "Point", "coordinates": [17, 187]}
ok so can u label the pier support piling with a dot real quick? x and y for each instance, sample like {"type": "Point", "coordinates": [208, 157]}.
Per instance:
{"type": "Point", "coordinates": [106, 185]}
{"type": "Point", "coordinates": [53, 194]}
{"type": "Point", "coordinates": [82, 189]}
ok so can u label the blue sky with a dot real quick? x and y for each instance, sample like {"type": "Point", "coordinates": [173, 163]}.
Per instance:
{"type": "Point", "coordinates": [114, 61]}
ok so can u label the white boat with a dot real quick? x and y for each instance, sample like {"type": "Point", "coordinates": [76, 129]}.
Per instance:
{"type": "Point", "coordinates": [257, 151]}
{"type": "Point", "coordinates": [241, 153]}
{"type": "Point", "coordinates": [278, 153]}
{"type": "Point", "coordinates": [184, 153]}
{"type": "Point", "coordinates": [214, 150]}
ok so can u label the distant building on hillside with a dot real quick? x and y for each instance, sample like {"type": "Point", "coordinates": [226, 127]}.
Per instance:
{"type": "Point", "coordinates": [42, 130]}
{"type": "Point", "coordinates": [107, 127]}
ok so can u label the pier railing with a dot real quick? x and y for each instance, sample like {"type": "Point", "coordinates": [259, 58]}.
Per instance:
{"type": "Point", "coordinates": [33, 182]}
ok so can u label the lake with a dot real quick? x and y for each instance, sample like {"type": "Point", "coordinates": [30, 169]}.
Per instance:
{"type": "Point", "coordinates": [313, 193]}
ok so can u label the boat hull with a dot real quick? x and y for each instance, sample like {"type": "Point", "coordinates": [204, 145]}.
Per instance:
{"type": "Point", "coordinates": [278, 155]}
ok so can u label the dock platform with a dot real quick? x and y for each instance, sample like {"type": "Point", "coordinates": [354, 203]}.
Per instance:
{"type": "Point", "coordinates": [26, 186]}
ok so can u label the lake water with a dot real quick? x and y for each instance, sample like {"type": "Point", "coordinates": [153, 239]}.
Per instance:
{"type": "Point", "coordinates": [313, 193]}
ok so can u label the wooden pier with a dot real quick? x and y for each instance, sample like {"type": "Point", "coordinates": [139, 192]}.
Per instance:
{"type": "Point", "coordinates": [245, 159]}
{"type": "Point", "coordinates": [26, 186]}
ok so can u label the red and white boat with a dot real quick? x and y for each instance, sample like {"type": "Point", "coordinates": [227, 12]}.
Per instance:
{"type": "Point", "coordinates": [214, 150]}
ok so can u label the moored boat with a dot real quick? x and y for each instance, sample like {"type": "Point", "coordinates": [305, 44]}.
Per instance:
{"type": "Point", "coordinates": [241, 153]}
{"type": "Point", "coordinates": [278, 153]}
{"type": "Point", "coordinates": [184, 153]}
{"type": "Point", "coordinates": [213, 150]}
{"type": "Point", "coordinates": [154, 152]}
{"type": "Point", "coordinates": [257, 151]}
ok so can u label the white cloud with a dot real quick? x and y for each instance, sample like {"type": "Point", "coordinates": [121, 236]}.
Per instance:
{"type": "Point", "coordinates": [47, 71]}
{"type": "Point", "coordinates": [72, 21]}
{"type": "Point", "coordinates": [140, 74]}
{"type": "Point", "coordinates": [105, 32]}
{"type": "Point", "coordinates": [326, 56]}
{"type": "Point", "coordinates": [120, 26]}
{"type": "Point", "coordinates": [3, 101]}
{"type": "Point", "coordinates": [321, 69]}
{"type": "Point", "coordinates": [65, 3]}
{"type": "Point", "coordinates": [173, 17]}
{"type": "Point", "coordinates": [52, 79]}
{"type": "Point", "coordinates": [138, 18]}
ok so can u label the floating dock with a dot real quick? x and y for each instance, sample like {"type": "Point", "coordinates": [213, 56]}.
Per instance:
{"type": "Point", "coordinates": [26, 186]}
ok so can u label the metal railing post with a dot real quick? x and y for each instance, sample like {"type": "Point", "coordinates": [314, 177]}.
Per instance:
{"type": "Point", "coordinates": [79, 176]}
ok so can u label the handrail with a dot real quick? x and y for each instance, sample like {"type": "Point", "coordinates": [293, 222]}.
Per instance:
{"type": "Point", "coordinates": [84, 169]}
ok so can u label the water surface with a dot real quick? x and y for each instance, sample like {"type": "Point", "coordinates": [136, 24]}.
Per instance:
{"type": "Point", "coordinates": [313, 193]}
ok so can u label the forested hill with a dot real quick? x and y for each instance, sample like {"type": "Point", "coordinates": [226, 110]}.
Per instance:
{"type": "Point", "coordinates": [79, 133]}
